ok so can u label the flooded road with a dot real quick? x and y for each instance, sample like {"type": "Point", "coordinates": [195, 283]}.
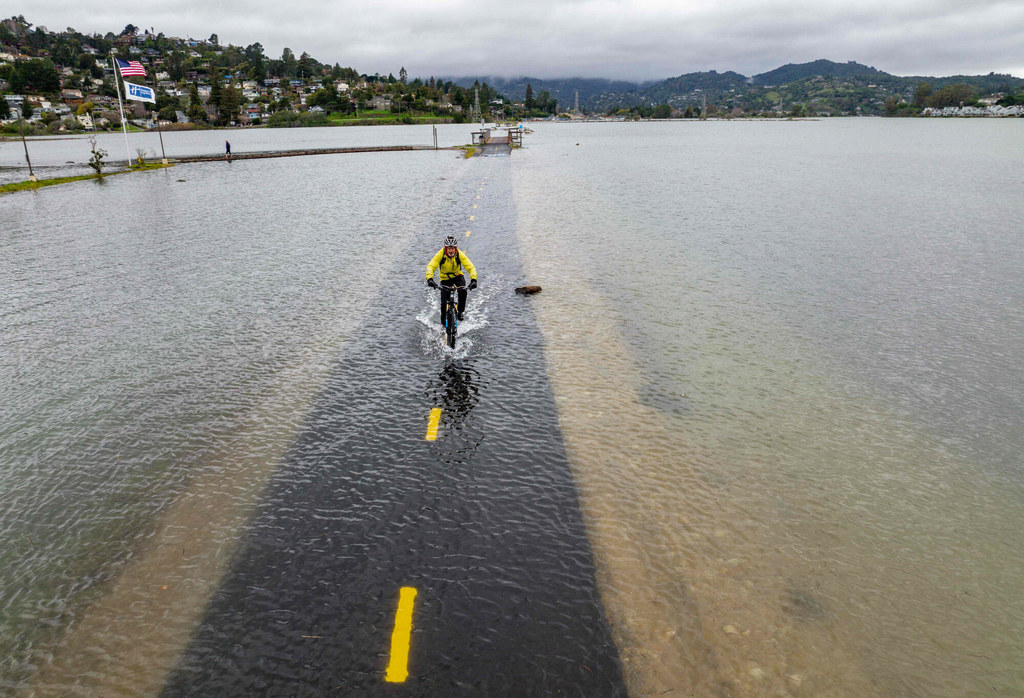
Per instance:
{"type": "Point", "coordinates": [758, 435]}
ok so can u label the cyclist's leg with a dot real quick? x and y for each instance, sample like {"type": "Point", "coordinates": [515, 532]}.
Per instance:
{"type": "Point", "coordinates": [461, 281]}
{"type": "Point", "coordinates": [446, 295]}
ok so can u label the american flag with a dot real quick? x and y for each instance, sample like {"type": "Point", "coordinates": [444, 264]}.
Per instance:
{"type": "Point", "coordinates": [130, 68]}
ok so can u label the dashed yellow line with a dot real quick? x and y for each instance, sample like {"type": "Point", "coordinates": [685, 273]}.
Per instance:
{"type": "Point", "coordinates": [468, 233]}
{"type": "Point", "coordinates": [474, 205]}
{"type": "Point", "coordinates": [398, 667]}
{"type": "Point", "coordinates": [435, 419]}
{"type": "Point", "coordinates": [472, 217]}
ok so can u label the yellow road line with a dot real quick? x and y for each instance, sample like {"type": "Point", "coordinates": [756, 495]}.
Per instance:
{"type": "Point", "coordinates": [472, 217]}
{"type": "Point", "coordinates": [398, 667]}
{"type": "Point", "coordinates": [474, 205]}
{"type": "Point", "coordinates": [435, 419]}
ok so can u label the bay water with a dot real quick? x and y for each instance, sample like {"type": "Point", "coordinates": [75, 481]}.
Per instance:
{"type": "Point", "coordinates": [786, 358]}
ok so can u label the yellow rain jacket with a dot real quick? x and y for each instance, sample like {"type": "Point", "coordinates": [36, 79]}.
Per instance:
{"type": "Point", "coordinates": [450, 267]}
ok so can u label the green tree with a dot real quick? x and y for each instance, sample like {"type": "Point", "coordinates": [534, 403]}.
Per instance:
{"type": "Point", "coordinates": [922, 93]}
{"type": "Point", "coordinates": [402, 75]}
{"type": "Point", "coordinates": [195, 105]}
{"type": "Point", "coordinates": [288, 63]}
{"type": "Point", "coordinates": [230, 103]}
{"type": "Point", "coordinates": [305, 66]}
{"type": "Point", "coordinates": [35, 75]}
{"type": "Point", "coordinates": [662, 111]}
{"type": "Point", "coordinates": [257, 65]}
{"type": "Point", "coordinates": [953, 96]}
{"type": "Point", "coordinates": [176, 65]}
{"type": "Point", "coordinates": [216, 87]}
{"type": "Point", "coordinates": [528, 102]}
{"type": "Point", "coordinates": [5, 109]}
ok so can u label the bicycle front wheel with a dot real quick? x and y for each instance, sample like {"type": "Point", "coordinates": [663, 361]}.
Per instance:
{"type": "Point", "coordinates": [451, 323]}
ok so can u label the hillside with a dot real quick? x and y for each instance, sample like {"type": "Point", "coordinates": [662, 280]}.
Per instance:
{"type": "Point", "coordinates": [820, 87]}
{"type": "Point", "coordinates": [791, 72]}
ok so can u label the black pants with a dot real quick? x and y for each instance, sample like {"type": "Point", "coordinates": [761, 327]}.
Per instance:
{"type": "Point", "coordinates": [446, 293]}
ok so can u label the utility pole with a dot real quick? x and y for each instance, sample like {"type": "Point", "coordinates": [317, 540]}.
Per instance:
{"type": "Point", "coordinates": [31, 174]}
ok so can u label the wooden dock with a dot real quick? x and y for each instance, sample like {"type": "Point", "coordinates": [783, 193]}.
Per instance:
{"type": "Point", "coordinates": [498, 141]}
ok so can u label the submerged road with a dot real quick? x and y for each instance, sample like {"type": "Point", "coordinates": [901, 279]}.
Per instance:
{"type": "Point", "coordinates": [385, 562]}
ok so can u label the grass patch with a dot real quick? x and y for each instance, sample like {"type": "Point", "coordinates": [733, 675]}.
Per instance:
{"type": "Point", "coordinates": [23, 186]}
{"type": "Point", "coordinates": [385, 118]}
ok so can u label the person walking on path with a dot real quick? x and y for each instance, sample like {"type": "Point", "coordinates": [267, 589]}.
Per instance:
{"type": "Point", "coordinates": [449, 263]}
{"type": "Point", "coordinates": [227, 150]}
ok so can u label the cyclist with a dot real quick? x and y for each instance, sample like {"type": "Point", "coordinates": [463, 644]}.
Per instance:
{"type": "Point", "coordinates": [449, 262]}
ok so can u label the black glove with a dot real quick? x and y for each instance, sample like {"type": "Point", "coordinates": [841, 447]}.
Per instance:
{"type": "Point", "coordinates": [431, 283]}
{"type": "Point", "coordinates": [472, 283]}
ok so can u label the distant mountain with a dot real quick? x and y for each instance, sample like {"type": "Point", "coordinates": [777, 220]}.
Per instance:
{"type": "Point", "coordinates": [791, 72]}
{"type": "Point", "coordinates": [817, 87]}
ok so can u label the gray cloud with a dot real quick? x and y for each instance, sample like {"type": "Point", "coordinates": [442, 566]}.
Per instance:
{"type": "Point", "coordinates": [643, 40]}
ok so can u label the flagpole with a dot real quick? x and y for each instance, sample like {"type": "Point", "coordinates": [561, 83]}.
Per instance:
{"type": "Point", "coordinates": [124, 123]}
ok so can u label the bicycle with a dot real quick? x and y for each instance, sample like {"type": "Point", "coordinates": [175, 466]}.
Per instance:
{"type": "Point", "coordinates": [450, 312]}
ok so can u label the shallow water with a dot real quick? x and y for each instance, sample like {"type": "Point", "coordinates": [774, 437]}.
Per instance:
{"type": "Point", "coordinates": [793, 370]}
{"type": "Point", "coordinates": [784, 357]}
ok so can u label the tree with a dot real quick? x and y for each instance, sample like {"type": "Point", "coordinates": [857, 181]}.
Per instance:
{"type": "Point", "coordinates": [257, 66]}
{"type": "Point", "coordinates": [195, 105]}
{"type": "Point", "coordinates": [5, 109]}
{"type": "Point", "coordinates": [402, 75]}
{"type": "Point", "coordinates": [305, 66]}
{"type": "Point", "coordinates": [214, 40]}
{"type": "Point", "coordinates": [528, 102]}
{"type": "Point", "coordinates": [953, 96]}
{"type": "Point", "coordinates": [662, 111]}
{"type": "Point", "coordinates": [129, 30]}
{"type": "Point", "coordinates": [96, 161]}
{"type": "Point", "coordinates": [36, 75]}
{"type": "Point", "coordinates": [215, 87]}
{"type": "Point", "coordinates": [922, 93]}
{"type": "Point", "coordinates": [287, 63]}
{"type": "Point", "coordinates": [230, 103]}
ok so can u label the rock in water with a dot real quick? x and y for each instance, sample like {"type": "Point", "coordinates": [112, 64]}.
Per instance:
{"type": "Point", "coordinates": [527, 290]}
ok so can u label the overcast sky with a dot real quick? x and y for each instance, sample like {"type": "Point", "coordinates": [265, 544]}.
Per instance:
{"type": "Point", "coordinates": [638, 41]}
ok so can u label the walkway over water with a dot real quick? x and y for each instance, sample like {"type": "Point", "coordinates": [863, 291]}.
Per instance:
{"type": "Point", "coordinates": [306, 151]}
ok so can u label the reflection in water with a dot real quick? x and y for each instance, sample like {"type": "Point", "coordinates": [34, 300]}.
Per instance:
{"type": "Point", "coordinates": [456, 391]}
{"type": "Point", "coordinates": [457, 394]}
